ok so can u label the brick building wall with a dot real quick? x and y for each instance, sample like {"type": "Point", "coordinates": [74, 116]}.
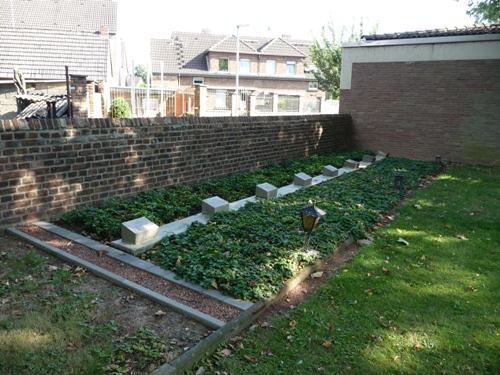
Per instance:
{"type": "Point", "coordinates": [50, 166]}
{"type": "Point", "coordinates": [421, 109]}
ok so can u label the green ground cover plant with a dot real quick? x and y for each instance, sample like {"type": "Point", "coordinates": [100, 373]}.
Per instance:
{"type": "Point", "coordinates": [429, 307]}
{"type": "Point", "coordinates": [51, 324]}
{"type": "Point", "coordinates": [250, 253]}
{"type": "Point", "coordinates": [164, 205]}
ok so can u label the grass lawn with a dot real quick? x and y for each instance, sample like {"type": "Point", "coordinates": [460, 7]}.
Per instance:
{"type": "Point", "coordinates": [57, 319]}
{"type": "Point", "coordinates": [431, 306]}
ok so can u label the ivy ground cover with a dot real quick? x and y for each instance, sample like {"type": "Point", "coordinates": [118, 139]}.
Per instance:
{"type": "Point", "coordinates": [164, 205]}
{"type": "Point", "coordinates": [431, 306]}
{"type": "Point", "coordinates": [250, 253]}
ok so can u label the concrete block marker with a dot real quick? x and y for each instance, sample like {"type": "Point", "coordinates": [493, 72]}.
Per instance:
{"type": "Point", "coordinates": [266, 191]}
{"type": "Point", "coordinates": [138, 231]}
{"type": "Point", "coordinates": [330, 171]}
{"type": "Point", "coordinates": [214, 205]}
{"type": "Point", "coordinates": [302, 179]}
{"type": "Point", "coordinates": [368, 158]}
{"type": "Point", "coordinates": [351, 164]}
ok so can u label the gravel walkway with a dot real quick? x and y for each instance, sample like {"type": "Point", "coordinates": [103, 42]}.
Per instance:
{"type": "Point", "coordinates": [167, 288]}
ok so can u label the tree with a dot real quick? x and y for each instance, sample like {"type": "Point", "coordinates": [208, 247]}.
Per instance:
{"type": "Point", "coordinates": [326, 55]}
{"type": "Point", "coordinates": [485, 10]}
{"type": "Point", "coordinates": [141, 72]}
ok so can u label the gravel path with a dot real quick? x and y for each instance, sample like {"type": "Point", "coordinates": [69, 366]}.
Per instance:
{"type": "Point", "coordinates": [167, 288]}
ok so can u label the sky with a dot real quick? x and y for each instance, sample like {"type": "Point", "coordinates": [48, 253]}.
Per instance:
{"type": "Point", "coordinates": [138, 21]}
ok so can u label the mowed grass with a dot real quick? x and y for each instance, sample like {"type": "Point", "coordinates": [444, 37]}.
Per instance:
{"type": "Point", "coordinates": [429, 307]}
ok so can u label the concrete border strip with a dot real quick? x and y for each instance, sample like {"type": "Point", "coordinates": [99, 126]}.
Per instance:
{"type": "Point", "coordinates": [140, 264]}
{"type": "Point", "coordinates": [208, 345]}
{"type": "Point", "coordinates": [185, 310]}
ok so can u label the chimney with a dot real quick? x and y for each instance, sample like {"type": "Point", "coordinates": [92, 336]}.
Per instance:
{"type": "Point", "coordinates": [104, 31]}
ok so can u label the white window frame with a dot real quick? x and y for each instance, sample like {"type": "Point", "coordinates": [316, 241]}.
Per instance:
{"type": "Point", "coordinates": [201, 80]}
{"type": "Point", "coordinates": [221, 99]}
{"type": "Point", "coordinates": [313, 86]}
{"type": "Point", "coordinates": [268, 66]}
{"type": "Point", "coordinates": [291, 63]}
{"type": "Point", "coordinates": [218, 62]}
{"type": "Point", "coordinates": [242, 71]}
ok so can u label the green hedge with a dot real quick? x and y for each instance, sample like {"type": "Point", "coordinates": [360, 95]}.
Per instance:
{"type": "Point", "coordinates": [167, 204]}
{"type": "Point", "coordinates": [250, 253]}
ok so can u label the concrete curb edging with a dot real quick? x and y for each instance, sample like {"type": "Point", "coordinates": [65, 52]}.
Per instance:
{"type": "Point", "coordinates": [185, 310]}
{"type": "Point", "coordinates": [208, 345]}
{"type": "Point", "coordinates": [143, 265]}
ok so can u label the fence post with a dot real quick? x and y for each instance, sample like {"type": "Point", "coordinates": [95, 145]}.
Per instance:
{"type": "Point", "coordinates": [200, 100]}
{"type": "Point", "coordinates": [253, 102]}
{"type": "Point", "coordinates": [275, 102]}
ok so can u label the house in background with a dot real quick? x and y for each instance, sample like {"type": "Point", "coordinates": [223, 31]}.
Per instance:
{"type": "Point", "coordinates": [274, 77]}
{"type": "Point", "coordinates": [41, 37]}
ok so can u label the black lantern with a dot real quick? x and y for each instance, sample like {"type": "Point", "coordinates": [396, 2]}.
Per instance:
{"type": "Point", "coordinates": [398, 181]}
{"type": "Point", "coordinates": [311, 216]}
{"type": "Point", "coordinates": [438, 159]}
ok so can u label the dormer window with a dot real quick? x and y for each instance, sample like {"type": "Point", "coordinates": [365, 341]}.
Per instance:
{"type": "Point", "coordinates": [291, 67]}
{"type": "Point", "coordinates": [223, 65]}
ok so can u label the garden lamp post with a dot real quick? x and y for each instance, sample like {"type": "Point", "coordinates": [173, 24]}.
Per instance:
{"type": "Point", "coordinates": [439, 160]}
{"type": "Point", "coordinates": [398, 181]}
{"type": "Point", "coordinates": [311, 217]}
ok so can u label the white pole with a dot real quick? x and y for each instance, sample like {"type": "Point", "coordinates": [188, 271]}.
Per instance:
{"type": "Point", "coordinates": [148, 86]}
{"type": "Point", "coordinates": [237, 69]}
{"type": "Point", "coordinates": [162, 112]}
{"type": "Point", "coordinates": [132, 91]}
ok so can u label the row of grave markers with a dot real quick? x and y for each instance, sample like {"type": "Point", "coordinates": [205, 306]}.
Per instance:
{"type": "Point", "coordinates": [142, 230]}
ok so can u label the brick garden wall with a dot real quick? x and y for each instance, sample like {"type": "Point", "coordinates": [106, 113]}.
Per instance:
{"type": "Point", "coordinates": [422, 109]}
{"type": "Point", "coordinates": [48, 167]}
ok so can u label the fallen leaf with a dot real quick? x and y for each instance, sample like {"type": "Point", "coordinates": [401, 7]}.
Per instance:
{"type": "Point", "coordinates": [315, 275]}
{"type": "Point", "coordinates": [461, 237]}
{"type": "Point", "coordinates": [327, 344]}
{"type": "Point", "coordinates": [365, 242]}
{"type": "Point", "coordinates": [214, 284]}
{"type": "Point", "coordinates": [386, 270]}
{"type": "Point", "coordinates": [250, 358]}
{"type": "Point", "coordinates": [226, 352]}
{"type": "Point", "coordinates": [403, 241]}
{"type": "Point", "coordinates": [200, 371]}
{"type": "Point", "coordinates": [160, 313]}
{"type": "Point", "coordinates": [418, 207]}
{"type": "Point", "coordinates": [178, 261]}
{"type": "Point", "coordinates": [52, 268]}
{"type": "Point", "coordinates": [292, 323]}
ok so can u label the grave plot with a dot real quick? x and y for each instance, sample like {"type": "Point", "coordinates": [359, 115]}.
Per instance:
{"type": "Point", "coordinates": [221, 271]}
{"type": "Point", "coordinates": [162, 206]}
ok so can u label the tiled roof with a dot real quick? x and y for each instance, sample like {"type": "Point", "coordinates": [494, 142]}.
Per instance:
{"type": "Point", "coordinates": [280, 47]}
{"type": "Point", "coordinates": [186, 51]}
{"type": "Point", "coordinates": [228, 44]}
{"type": "Point", "coordinates": [473, 30]}
{"type": "Point", "coordinates": [37, 107]}
{"type": "Point", "coordinates": [69, 15]}
{"type": "Point", "coordinates": [42, 54]}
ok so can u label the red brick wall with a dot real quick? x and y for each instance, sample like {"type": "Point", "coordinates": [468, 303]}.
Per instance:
{"type": "Point", "coordinates": [48, 167]}
{"type": "Point", "coordinates": [422, 109]}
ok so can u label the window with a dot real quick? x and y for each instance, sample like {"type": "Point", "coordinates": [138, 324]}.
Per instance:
{"type": "Point", "coordinates": [221, 99]}
{"type": "Point", "coordinates": [288, 103]}
{"type": "Point", "coordinates": [223, 65]}
{"type": "Point", "coordinates": [313, 85]}
{"type": "Point", "coordinates": [271, 67]}
{"type": "Point", "coordinates": [291, 67]}
{"type": "Point", "coordinates": [264, 103]}
{"type": "Point", "coordinates": [312, 105]}
{"type": "Point", "coordinates": [244, 66]}
{"type": "Point", "coordinates": [198, 80]}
